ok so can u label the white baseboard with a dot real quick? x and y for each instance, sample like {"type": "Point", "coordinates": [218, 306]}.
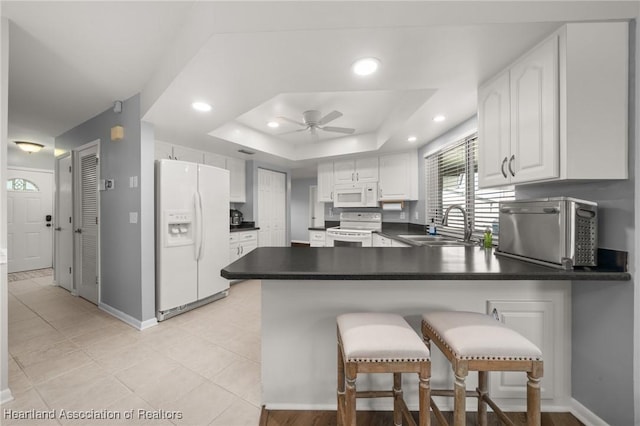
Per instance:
{"type": "Point", "coordinates": [5, 396]}
{"type": "Point", "coordinates": [133, 322]}
{"type": "Point", "coordinates": [585, 415]}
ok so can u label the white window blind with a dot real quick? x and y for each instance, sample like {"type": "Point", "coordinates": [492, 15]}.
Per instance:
{"type": "Point", "coordinates": [452, 178]}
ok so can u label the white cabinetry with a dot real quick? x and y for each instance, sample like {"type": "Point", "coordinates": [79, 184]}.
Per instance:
{"type": "Point", "coordinates": [187, 154]}
{"type": "Point", "coordinates": [317, 238]}
{"type": "Point", "coordinates": [215, 160]}
{"type": "Point", "coordinates": [325, 182]}
{"type": "Point", "coordinates": [534, 319]}
{"type": "Point", "coordinates": [163, 150]}
{"type": "Point", "coordinates": [380, 241]}
{"type": "Point", "coordinates": [560, 111]}
{"type": "Point", "coordinates": [241, 243]}
{"type": "Point", "coordinates": [237, 173]}
{"type": "Point", "coordinates": [236, 166]}
{"type": "Point", "coordinates": [358, 170]}
{"type": "Point", "coordinates": [398, 177]}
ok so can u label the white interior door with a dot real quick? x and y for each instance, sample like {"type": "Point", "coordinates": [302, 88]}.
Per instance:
{"type": "Point", "coordinates": [63, 236]}
{"type": "Point", "coordinates": [316, 208]}
{"type": "Point", "coordinates": [86, 222]}
{"type": "Point", "coordinates": [29, 205]}
{"type": "Point", "coordinates": [272, 212]}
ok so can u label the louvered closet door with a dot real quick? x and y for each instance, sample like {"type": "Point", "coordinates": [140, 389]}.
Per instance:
{"type": "Point", "coordinates": [87, 224]}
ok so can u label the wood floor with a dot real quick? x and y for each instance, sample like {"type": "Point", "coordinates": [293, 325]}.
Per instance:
{"type": "Point", "coordinates": [379, 418]}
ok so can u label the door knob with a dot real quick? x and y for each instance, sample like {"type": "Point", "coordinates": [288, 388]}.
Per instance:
{"type": "Point", "coordinates": [57, 228]}
{"type": "Point", "coordinates": [78, 231]}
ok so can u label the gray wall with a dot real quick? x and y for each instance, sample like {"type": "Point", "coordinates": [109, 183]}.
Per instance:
{"type": "Point", "coordinates": [123, 245]}
{"type": "Point", "coordinates": [300, 208]}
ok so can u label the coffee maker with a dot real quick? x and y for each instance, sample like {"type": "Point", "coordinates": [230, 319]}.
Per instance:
{"type": "Point", "coordinates": [235, 217]}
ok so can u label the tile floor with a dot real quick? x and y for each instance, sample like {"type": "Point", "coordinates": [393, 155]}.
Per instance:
{"type": "Point", "coordinates": [66, 354]}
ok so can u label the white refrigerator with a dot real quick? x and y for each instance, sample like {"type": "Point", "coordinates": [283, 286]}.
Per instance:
{"type": "Point", "coordinates": [192, 235]}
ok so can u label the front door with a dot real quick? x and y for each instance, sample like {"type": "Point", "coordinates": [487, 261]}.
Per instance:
{"type": "Point", "coordinates": [86, 222]}
{"type": "Point", "coordinates": [29, 219]}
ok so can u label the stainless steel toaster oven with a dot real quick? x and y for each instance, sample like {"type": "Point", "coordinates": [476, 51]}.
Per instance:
{"type": "Point", "coordinates": [560, 232]}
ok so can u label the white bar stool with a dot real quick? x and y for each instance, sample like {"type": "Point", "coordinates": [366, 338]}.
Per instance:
{"type": "Point", "coordinates": [476, 342]}
{"type": "Point", "coordinates": [380, 343]}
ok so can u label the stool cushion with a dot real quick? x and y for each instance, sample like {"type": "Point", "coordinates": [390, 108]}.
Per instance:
{"type": "Point", "coordinates": [379, 337]}
{"type": "Point", "coordinates": [471, 335]}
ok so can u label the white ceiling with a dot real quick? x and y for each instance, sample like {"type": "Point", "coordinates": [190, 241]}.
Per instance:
{"type": "Point", "coordinates": [254, 61]}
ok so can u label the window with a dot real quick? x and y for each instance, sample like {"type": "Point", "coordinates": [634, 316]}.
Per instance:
{"type": "Point", "coordinates": [452, 178]}
{"type": "Point", "coordinates": [18, 184]}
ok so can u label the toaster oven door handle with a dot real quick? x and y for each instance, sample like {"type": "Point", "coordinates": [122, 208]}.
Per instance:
{"type": "Point", "coordinates": [530, 210]}
{"type": "Point", "coordinates": [589, 214]}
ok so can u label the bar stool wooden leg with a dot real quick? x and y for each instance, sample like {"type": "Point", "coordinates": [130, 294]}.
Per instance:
{"type": "Point", "coordinates": [424, 394]}
{"type": "Point", "coordinates": [482, 391]}
{"type": "Point", "coordinates": [460, 397]}
{"type": "Point", "coordinates": [397, 397]}
{"type": "Point", "coordinates": [350, 395]}
{"type": "Point", "coordinates": [533, 398]}
{"type": "Point", "coordinates": [340, 392]}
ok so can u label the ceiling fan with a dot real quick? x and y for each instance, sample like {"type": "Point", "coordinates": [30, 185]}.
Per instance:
{"type": "Point", "coordinates": [312, 120]}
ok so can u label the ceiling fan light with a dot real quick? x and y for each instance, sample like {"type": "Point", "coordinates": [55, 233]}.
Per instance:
{"type": "Point", "coordinates": [365, 66]}
{"type": "Point", "coordinates": [201, 106]}
{"type": "Point", "coordinates": [412, 139]}
{"type": "Point", "coordinates": [29, 146]}
{"type": "Point", "coordinates": [273, 124]}
{"type": "Point", "coordinates": [439, 118]}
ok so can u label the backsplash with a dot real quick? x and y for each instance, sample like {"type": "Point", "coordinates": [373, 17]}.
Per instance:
{"type": "Point", "coordinates": [402, 216]}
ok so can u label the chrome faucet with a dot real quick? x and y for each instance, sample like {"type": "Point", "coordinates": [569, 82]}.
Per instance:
{"type": "Point", "coordinates": [467, 227]}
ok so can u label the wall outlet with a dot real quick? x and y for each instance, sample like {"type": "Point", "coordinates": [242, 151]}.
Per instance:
{"type": "Point", "coordinates": [403, 215]}
{"type": "Point", "coordinates": [415, 215]}
{"type": "Point", "coordinates": [330, 211]}
{"type": "Point", "coordinates": [133, 181]}
{"type": "Point", "coordinates": [133, 217]}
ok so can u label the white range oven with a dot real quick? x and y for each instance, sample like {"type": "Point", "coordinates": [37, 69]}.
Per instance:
{"type": "Point", "coordinates": [355, 230]}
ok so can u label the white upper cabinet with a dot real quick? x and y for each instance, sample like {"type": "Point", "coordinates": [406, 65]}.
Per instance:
{"type": "Point", "coordinates": [325, 182]}
{"type": "Point", "coordinates": [237, 172]}
{"type": "Point", "coordinates": [187, 154]}
{"type": "Point", "coordinates": [358, 170]}
{"type": "Point", "coordinates": [163, 150]}
{"type": "Point", "coordinates": [398, 177]}
{"type": "Point", "coordinates": [215, 160]}
{"type": "Point", "coordinates": [559, 112]}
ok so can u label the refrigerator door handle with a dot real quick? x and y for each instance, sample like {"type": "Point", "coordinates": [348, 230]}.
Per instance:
{"type": "Point", "coordinates": [198, 232]}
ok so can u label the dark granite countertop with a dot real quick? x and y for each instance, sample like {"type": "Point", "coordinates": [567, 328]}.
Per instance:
{"type": "Point", "coordinates": [409, 263]}
{"type": "Point", "coordinates": [244, 226]}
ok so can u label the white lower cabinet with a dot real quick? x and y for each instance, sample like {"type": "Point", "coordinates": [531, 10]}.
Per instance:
{"type": "Point", "coordinates": [317, 238]}
{"type": "Point", "coordinates": [380, 241]}
{"type": "Point", "coordinates": [241, 243]}
{"type": "Point", "coordinates": [534, 319]}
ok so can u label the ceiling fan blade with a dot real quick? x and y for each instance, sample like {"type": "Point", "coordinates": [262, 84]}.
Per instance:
{"type": "Point", "coordinates": [292, 131]}
{"type": "Point", "coordinates": [292, 121]}
{"type": "Point", "coordinates": [338, 129]}
{"type": "Point", "coordinates": [329, 117]}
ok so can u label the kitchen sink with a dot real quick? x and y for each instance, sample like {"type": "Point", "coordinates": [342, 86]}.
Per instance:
{"type": "Point", "coordinates": [437, 241]}
{"type": "Point", "coordinates": [422, 238]}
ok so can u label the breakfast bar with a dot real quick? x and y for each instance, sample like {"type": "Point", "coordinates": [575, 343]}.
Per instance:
{"type": "Point", "coordinates": [304, 289]}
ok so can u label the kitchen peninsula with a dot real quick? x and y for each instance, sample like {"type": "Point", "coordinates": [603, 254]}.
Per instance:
{"type": "Point", "coordinates": [304, 289]}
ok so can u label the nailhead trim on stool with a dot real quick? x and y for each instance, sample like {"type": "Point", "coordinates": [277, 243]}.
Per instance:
{"type": "Point", "coordinates": [380, 343]}
{"type": "Point", "coordinates": [473, 341]}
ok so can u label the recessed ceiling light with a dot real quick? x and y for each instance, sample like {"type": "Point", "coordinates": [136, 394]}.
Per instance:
{"type": "Point", "coordinates": [201, 106]}
{"type": "Point", "coordinates": [439, 118]}
{"type": "Point", "coordinates": [273, 124]}
{"type": "Point", "coordinates": [412, 139]}
{"type": "Point", "coordinates": [365, 66]}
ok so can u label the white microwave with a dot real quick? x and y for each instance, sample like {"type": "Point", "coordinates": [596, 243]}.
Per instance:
{"type": "Point", "coordinates": [356, 195]}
